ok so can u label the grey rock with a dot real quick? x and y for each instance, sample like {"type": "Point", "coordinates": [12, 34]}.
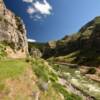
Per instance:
{"type": "Point", "coordinates": [12, 30]}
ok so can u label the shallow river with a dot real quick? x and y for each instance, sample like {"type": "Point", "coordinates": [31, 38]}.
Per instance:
{"type": "Point", "coordinates": [81, 82]}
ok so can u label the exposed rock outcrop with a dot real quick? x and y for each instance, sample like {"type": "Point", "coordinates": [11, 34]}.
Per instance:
{"type": "Point", "coordinates": [85, 45]}
{"type": "Point", "coordinates": [34, 52]}
{"type": "Point", "coordinates": [12, 33]}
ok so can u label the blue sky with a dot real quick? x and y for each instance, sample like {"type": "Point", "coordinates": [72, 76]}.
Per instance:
{"type": "Point", "coordinates": [47, 20]}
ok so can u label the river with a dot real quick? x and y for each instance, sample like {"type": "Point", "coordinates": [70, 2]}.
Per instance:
{"type": "Point", "coordinates": [79, 84]}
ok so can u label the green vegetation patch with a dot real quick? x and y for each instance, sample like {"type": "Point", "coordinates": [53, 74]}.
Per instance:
{"type": "Point", "coordinates": [97, 20]}
{"type": "Point", "coordinates": [43, 71]}
{"type": "Point", "coordinates": [67, 58]}
{"type": "Point", "coordinates": [2, 86]}
{"type": "Point", "coordinates": [2, 51]}
{"type": "Point", "coordinates": [91, 71]}
{"type": "Point", "coordinates": [45, 74]}
{"type": "Point", "coordinates": [11, 68]}
{"type": "Point", "coordinates": [67, 95]}
{"type": "Point", "coordinates": [40, 70]}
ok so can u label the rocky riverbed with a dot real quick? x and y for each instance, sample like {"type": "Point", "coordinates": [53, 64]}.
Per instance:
{"type": "Point", "coordinates": [77, 83]}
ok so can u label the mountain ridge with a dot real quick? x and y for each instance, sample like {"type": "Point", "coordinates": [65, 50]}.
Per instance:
{"type": "Point", "coordinates": [86, 42]}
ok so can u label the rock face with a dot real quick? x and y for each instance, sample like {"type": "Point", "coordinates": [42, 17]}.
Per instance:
{"type": "Point", "coordinates": [83, 47]}
{"type": "Point", "coordinates": [34, 52]}
{"type": "Point", "coordinates": [12, 32]}
{"type": "Point", "coordinates": [35, 49]}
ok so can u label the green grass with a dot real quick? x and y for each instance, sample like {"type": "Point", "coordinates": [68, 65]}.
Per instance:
{"type": "Point", "coordinates": [2, 86]}
{"type": "Point", "coordinates": [40, 70]}
{"type": "Point", "coordinates": [67, 96]}
{"type": "Point", "coordinates": [2, 51]}
{"type": "Point", "coordinates": [43, 71]}
{"type": "Point", "coordinates": [11, 68]}
{"type": "Point", "coordinates": [87, 56]}
{"type": "Point", "coordinates": [67, 58]}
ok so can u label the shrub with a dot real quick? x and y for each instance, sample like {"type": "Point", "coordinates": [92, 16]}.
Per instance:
{"type": "Point", "coordinates": [56, 67]}
{"type": "Point", "coordinates": [40, 70]}
{"type": "Point", "coordinates": [27, 60]}
{"type": "Point", "coordinates": [2, 86]}
{"type": "Point", "coordinates": [66, 94]}
{"type": "Point", "coordinates": [2, 51]}
{"type": "Point", "coordinates": [91, 71]}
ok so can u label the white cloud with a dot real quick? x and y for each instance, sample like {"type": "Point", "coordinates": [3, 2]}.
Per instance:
{"type": "Point", "coordinates": [38, 9]}
{"type": "Point", "coordinates": [43, 8]}
{"type": "Point", "coordinates": [28, 1]}
{"type": "Point", "coordinates": [31, 40]}
{"type": "Point", "coordinates": [30, 10]}
{"type": "Point", "coordinates": [38, 17]}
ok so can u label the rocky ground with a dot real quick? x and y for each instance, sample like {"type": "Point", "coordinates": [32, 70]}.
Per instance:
{"type": "Point", "coordinates": [78, 83]}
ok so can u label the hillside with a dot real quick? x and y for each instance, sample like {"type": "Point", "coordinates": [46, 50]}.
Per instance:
{"type": "Point", "coordinates": [25, 77]}
{"type": "Point", "coordinates": [81, 48]}
{"type": "Point", "coordinates": [21, 80]}
{"type": "Point", "coordinates": [45, 71]}
{"type": "Point", "coordinates": [76, 60]}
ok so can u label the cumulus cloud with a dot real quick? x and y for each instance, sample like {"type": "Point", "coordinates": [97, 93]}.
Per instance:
{"type": "Point", "coordinates": [28, 1]}
{"type": "Point", "coordinates": [43, 8]}
{"type": "Point", "coordinates": [30, 10]}
{"type": "Point", "coordinates": [38, 9]}
{"type": "Point", "coordinates": [31, 40]}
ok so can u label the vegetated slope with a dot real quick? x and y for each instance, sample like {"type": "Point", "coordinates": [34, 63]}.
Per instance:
{"type": "Point", "coordinates": [81, 48]}
{"type": "Point", "coordinates": [31, 79]}
{"type": "Point", "coordinates": [25, 78]}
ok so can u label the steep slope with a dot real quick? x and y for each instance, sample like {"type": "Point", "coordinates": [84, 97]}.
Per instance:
{"type": "Point", "coordinates": [32, 79]}
{"type": "Point", "coordinates": [36, 49]}
{"type": "Point", "coordinates": [81, 48]}
{"type": "Point", "coordinates": [12, 33]}
{"type": "Point", "coordinates": [25, 78]}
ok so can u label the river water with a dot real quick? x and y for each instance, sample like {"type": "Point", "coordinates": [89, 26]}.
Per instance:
{"type": "Point", "coordinates": [82, 84]}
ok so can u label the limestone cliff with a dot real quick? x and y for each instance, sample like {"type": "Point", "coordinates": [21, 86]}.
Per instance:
{"type": "Point", "coordinates": [12, 33]}
{"type": "Point", "coordinates": [82, 47]}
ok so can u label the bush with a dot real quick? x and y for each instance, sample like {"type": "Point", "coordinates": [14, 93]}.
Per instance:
{"type": "Point", "coordinates": [40, 70]}
{"type": "Point", "coordinates": [27, 60]}
{"type": "Point", "coordinates": [2, 51]}
{"type": "Point", "coordinates": [56, 67]}
{"type": "Point", "coordinates": [65, 93]}
{"type": "Point", "coordinates": [2, 86]}
{"type": "Point", "coordinates": [91, 71]}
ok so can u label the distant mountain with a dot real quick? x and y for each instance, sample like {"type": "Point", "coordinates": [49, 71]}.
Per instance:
{"type": "Point", "coordinates": [86, 43]}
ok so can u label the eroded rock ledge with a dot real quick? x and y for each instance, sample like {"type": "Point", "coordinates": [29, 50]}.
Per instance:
{"type": "Point", "coordinates": [12, 33]}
